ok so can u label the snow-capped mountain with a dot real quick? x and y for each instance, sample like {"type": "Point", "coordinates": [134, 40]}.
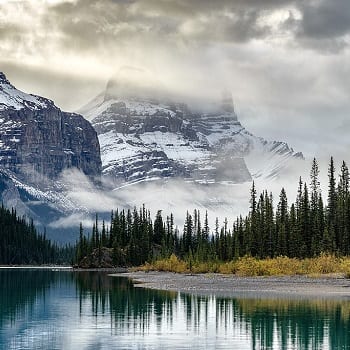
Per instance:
{"type": "Point", "coordinates": [144, 138]}
{"type": "Point", "coordinates": [37, 143]}
{"type": "Point", "coordinates": [38, 139]}
{"type": "Point", "coordinates": [143, 135]}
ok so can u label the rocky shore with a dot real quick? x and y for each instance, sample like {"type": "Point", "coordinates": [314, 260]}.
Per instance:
{"type": "Point", "coordinates": [328, 286]}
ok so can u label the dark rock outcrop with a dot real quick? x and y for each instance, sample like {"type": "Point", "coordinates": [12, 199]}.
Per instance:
{"type": "Point", "coordinates": [99, 258]}
{"type": "Point", "coordinates": [38, 140]}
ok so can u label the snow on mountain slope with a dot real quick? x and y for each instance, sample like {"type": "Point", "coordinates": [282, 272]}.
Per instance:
{"type": "Point", "coordinates": [38, 142]}
{"type": "Point", "coordinates": [144, 138]}
{"type": "Point", "coordinates": [10, 97]}
{"type": "Point", "coordinates": [197, 157]}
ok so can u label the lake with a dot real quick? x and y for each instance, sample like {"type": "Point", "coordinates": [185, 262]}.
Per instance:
{"type": "Point", "coordinates": [45, 309]}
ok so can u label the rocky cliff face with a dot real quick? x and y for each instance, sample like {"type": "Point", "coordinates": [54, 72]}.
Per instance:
{"type": "Point", "coordinates": [201, 154]}
{"type": "Point", "coordinates": [144, 138]}
{"type": "Point", "coordinates": [38, 140]}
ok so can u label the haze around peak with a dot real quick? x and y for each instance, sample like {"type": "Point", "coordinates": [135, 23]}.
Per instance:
{"type": "Point", "coordinates": [132, 81]}
{"type": "Point", "coordinates": [286, 62]}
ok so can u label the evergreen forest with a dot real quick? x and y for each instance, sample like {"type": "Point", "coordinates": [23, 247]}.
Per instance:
{"type": "Point", "coordinates": [304, 228]}
{"type": "Point", "coordinates": [21, 244]}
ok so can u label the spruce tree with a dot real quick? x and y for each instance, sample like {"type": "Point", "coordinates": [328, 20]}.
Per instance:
{"type": "Point", "coordinates": [316, 229]}
{"type": "Point", "coordinates": [282, 224]}
{"type": "Point", "coordinates": [332, 237]}
{"type": "Point", "coordinates": [158, 228]}
{"type": "Point", "coordinates": [305, 223]}
{"type": "Point", "coordinates": [343, 210]}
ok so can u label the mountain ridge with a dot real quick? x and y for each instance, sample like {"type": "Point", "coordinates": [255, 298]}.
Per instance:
{"type": "Point", "coordinates": [144, 139]}
{"type": "Point", "coordinates": [38, 143]}
{"type": "Point", "coordinates": [159, 141]}
{"type": "Point", "coordinates": [37, 138]}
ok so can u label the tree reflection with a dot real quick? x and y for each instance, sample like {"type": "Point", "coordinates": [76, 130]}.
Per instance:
{"type": "Point", "coordinates": [281, 323]}
{"type": "Point", "coordinates": [20, 290]}
{"type": "Point", "coordinates": [263, 323]}
{"type": "Point", "coordinates": [129, 307]}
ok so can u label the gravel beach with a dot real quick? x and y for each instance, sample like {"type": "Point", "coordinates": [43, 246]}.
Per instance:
{"type": "Point", "coordinates": [249, 287]}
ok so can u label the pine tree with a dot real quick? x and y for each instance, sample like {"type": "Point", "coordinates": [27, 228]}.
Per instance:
{"type": "Point", "coordinates": [315, 225]}
{"type": "Point", "coordinates": [188, 234]}
{"type": "Point", "coordinates": [104, 242]}
{"type": "Point", "coordinates": [282, 224]}
{"type": "Point", "coordinates": [331, 208]}
{"type": "Point", "coordinates": [80, 246]}
{"type": "Point", "coordinates": [158, 228]}
{"type": "Point", "coordinates": [295, 239]}
{"type": "Point", "coordinates": [305, 223]}
{"type": "Point", "coordinates": [252, 239]}
{"type": "Point", "coordinates": [343, 210]}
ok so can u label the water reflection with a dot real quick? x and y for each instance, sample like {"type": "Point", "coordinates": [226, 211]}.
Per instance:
{"type": "Point", "coordinates": [18, 295]}
{"type": "Point", "coordinates": [90, 310]}
{"type": "Point", "coordinates": [126, 305]}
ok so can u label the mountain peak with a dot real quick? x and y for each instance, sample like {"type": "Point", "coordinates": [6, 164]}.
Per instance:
{"type": "Point", "coordinates": [227, 101]}
{"type": "Point", "coordinates": [133, 82]}
{"type": "Point", "coordinates": [12, 98]}
{"type": "Point", "coordinates": [3, 78]}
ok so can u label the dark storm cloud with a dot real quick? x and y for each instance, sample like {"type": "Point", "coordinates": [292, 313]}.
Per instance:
{"type": "Point", "coordinates": [325, 20]}
{"type": "Point", "coordinates": [270, 53]}
{"type": "Point", "coordinates": [91, 25]}
{"type": "Point", "coordinates": [185, 8]}
{"type": "Point", "coordinates": [323, 26]}
{"type": "Point", "coordinates": [10, 30]}
{"type": "Point", "coordinates": [87, 24]}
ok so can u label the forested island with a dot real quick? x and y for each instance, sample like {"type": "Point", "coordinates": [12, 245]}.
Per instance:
{"type": "Point", "coordinates": [307, 228]}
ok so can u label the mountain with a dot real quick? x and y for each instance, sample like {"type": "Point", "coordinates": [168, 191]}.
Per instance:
{"type": "Point", "coordinates": [138, 145]}
{"type": "Point", "coordinates": [38, 142]}
{"type": "Point", "coordinates": [145, 135]}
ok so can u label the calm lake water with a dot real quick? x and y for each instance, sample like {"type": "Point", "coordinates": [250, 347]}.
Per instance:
{"type": "Point", "coordinates": [44, 309]}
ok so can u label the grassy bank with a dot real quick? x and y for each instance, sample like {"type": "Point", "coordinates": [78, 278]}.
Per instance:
{"type": "Point", "coordinates": [249, 266]}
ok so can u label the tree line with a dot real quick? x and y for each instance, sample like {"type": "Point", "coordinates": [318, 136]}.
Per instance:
{"type": "Point", "coordinates": [305, 228]}
{"type": "Point", "coordinates": [21, 244]}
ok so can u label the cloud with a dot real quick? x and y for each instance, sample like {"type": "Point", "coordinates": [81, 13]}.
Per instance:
{"type": "Point", "coordinates": [88, 24]}
{"type": "Point", "coordinates": [91, 24]}
{"type": "Point", "coordinates": [112, 27]}
{"type": "Point", "coordinates": [72, 221]}
{"type": "Point", "coordinates": [325, 19]}
{"type": "Point", "coordinates": [174, 196]}
{"type": "Point", "coordinates": [322, 25]}
{"type": "Point", "coordinates": [286, 61]}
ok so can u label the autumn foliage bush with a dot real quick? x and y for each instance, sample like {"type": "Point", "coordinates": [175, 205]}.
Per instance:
{"type": "Point", "coordinates": [250, 266]}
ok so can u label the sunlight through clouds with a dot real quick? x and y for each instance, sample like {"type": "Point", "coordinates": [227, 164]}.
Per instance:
{"type": "Point", "coordinates": [283, 60]}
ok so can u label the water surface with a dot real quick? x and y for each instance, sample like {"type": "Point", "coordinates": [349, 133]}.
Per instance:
{"type": "Point", "coordinates": [44, 309]}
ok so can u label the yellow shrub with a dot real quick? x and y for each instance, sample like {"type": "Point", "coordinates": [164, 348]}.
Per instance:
{"type": "Point", "coordinates": [204, 267]}
{"type": "Point", "coordinates": [227, 268]}
{"type": "Point", "coordinates": [171, 264]}
{"type": "Point", "coordinates": [249, 266]}
{"type": "Point", "coordinates": [280, 265]}
{"type": "Point", "coordinates": [345, 266]}
{"type": "Point", "coordinates": [325, 263]}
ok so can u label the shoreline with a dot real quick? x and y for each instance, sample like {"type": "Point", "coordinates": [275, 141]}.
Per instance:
{"type": "Point", "coordinates": [231, 286]}
{"type": "Point", "coordinates": [111, 270]}
{"type": "Point", "coordinates": [36, 267]}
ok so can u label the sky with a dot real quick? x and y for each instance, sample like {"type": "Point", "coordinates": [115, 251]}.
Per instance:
{"type": "Point", "coordinates": [285, 61]}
